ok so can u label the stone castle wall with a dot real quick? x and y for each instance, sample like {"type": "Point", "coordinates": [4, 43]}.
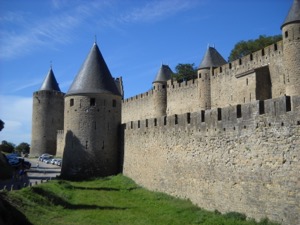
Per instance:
{"type": "Point", "coordinates": [258, 76]}
{"type": "Point", "coordinates": [242, 158]}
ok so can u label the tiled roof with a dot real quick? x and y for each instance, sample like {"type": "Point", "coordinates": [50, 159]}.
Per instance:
{"type": "Point", "coordinates": [94, 76]}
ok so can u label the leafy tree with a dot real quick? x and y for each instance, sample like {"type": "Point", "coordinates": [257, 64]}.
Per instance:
{"type": "Point", "coordinates": [185, 72]}
{"type": "Point", "coordinates": [23, 147]}
{"type": "Point", "coordinates": [7, 147]}
{"type": "Point", "coordinates": [243, 48]}
{"type": "Point", "coordinates": [1, 125]}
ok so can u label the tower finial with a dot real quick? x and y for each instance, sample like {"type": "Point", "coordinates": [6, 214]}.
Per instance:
{"type": "Point", "coordinates": [95, 39]}
{"type": "Point", "coordinates": [51, 64]}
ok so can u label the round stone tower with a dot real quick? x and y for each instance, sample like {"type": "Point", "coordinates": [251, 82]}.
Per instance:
{"type": "Point", "coordinates": [92, 122]}
{"type": "Point", "coordinates": [160, 90]}
{"type": "Point", "coordinates": [47, 116]}
{"type": "Point", "coordinates": [210, 61]}
{"type": "Point", "coordinates": [291, 49]}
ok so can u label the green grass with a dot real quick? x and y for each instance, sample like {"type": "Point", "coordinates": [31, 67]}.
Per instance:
{"type": "Point", "coordinates": [113, 200]}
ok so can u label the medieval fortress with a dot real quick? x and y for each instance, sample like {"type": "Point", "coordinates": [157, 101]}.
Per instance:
{"type": "Point", "coordinates": [228, 140]}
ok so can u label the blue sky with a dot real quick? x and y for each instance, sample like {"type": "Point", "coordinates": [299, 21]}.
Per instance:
{"type": "Point", "coordinates": [134, 36]}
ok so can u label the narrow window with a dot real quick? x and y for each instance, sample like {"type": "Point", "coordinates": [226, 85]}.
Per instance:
{"type": "Point", "coordinates": [220, 69]}
{"type": "Point", "coordinates": [155, 122]}
{"type": "Point", "coordinates": [238, 111]}
{"type": "Point", "coordinates": [247, 81]}
{"type": "Point", "coordinates": [164, 86]}
{"type": "Point", "coordinates": [275, 47]}
{"type": "Point", "coordinates": [176, 119]}
{"type": "Point", "coordinates": [240, 61]}
{"type": "Point", "coordinates": [165, 120]}
{"type": "Point", "coordinates": [263, 52]}
{"type": "Point", "coordinates": [286, 34]}
{"type": "Point", "coordinates": [288, 103]}
{"type": "Point", "coordinates": [230, 65]}
{"type": "Point", "coordinates": [114, 103]}
{"type": "Point", "coordinates": [251, 57]}
{"type": "Point", "coordinates": [199, 75]}
{"type": "Point", "coordinates": [71, 102]}
{"type": "Point", "coordinates": [92, 102]}
{"type": "Point", "coordinates": [146, 122]}
{"type": "Point", "coordinates": [202, 116]}
{"type": "Point", "coordinates": [188, 118]}
{"type": "Point", "coordinates": [219, 114]}
{"type": "Point", "coordinates": [139, 124]}
{"type": "Point", "coordinates": [131, 124]}
{"type": "Point", "coordinates": [261, 107]}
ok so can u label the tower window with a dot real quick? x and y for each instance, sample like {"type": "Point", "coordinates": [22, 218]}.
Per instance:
{"type": "Point", "coordinates": [251, 57]}
{"type": "Point", "coordinates": [247, 81]}
{"type": "Point", "coordinates": [92, 102]}
{"type": "Point", "coordinates": [71, 102]}
{"type": "Point", "coordinates": [286, 34]}
{"type": "Point", "coordinates": [114, 103]}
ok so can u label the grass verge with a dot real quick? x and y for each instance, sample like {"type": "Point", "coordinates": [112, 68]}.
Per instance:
{"type": "Point", "coordinates": [112, 200]}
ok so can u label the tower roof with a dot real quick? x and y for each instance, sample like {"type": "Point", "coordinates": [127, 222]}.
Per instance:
{"type": "Point", "coordinates": [164, 74]}
{"type": "Point", "coordinates": [93, 76]}
{"type": "Point", "coordinates": [212, 58]}
{"type": "Point", "coordinates": [50, 83]}
{"type": "Point", "coordinates": [293, 15]}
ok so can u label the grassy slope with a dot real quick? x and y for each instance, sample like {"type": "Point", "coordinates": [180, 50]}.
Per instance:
{"type": "Point", "coordinates": [113, 200]}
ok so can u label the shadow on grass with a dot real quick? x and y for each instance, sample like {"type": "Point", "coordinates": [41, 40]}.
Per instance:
{"type": "Point", "coordinates": [9, 214]}
{"type": "Point", "coordinates": [56, 200]}
{"type": "Point", "coordinates": [103, 188]}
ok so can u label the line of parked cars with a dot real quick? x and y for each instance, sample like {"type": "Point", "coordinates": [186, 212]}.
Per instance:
{"type": "Point", "coordinates": [47, 158]}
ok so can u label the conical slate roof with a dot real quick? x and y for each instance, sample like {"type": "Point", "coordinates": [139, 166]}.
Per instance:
{"type": "Point", "coordinates": [212, 58]}
{"type": "Point", "coordinates": [94, 76]}
{"type": "Point", "coordinates": [50, 83]}
{"type": "Point", "coordinates": [293, 15]}
{"type": "Point", "coordinates": [164, 74]}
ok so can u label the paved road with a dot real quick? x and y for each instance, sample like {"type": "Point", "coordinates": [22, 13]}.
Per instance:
{"type": "Point", "coordinates": [35, 175]}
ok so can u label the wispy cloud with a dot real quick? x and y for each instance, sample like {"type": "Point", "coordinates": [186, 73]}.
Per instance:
{"type": "Point", "coordinates": [62, 26]}
{"type": "Point", "coordinates": [157, 10]}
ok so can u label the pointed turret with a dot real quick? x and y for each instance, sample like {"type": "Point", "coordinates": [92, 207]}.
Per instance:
{"type": "Point", "coordinates": [164, 74]}
{"type": "Point", "coordinates": [291, 49]}
{"type": "Point", "coordinates": [50, 83]}
{"type": "Point", "coordinates": [293, 15]}
{"type": "Point", "coordinates": [47, 116]}
{"type": "Point", "coordinates": [94, 76]}
{"type": "Point", "coordinates": [212, 58]}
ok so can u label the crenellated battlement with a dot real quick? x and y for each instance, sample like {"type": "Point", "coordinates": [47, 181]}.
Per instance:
{"type": "Point", "coordinates": [138, 97]}
{"type": "Point", "coordinates": [230, 118]}
{"type": "Point", "coordinates": [48, 93]}
{"type": "Point", "coordinates": [250, 62]}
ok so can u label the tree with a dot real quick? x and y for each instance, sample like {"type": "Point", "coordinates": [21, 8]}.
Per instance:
{"type": "Point", "coordinates": [185, 72]}
{"type": "Point", "coordinates": [243, 48]}
{"type": "Point", "coordinates": [23, 147]}
{"type": "Point", "coordinates": [7, 147]}
{"type": "Point", "coordinates": [1, 125]}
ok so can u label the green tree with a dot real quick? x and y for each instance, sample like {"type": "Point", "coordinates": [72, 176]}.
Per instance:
{"type": "Point", "coordinates": [23, 147]}
{"type": "Point", "coordinates": [7, 147]}
{"type": "Point", "coordinates": [1, 125]}
{"type": "Point", "coordinates": [185, 72]}
{"type": "Point", "coordinates": [243, 48]}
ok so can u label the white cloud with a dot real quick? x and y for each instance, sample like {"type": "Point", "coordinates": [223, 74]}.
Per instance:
{"type": "Point", "coordinates": [157, 10]}
{"type": "Point", "coordinates": [15, 112]}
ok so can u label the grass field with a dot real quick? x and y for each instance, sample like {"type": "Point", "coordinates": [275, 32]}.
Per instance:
{"type": "Point", "coordinates": [113, 200]}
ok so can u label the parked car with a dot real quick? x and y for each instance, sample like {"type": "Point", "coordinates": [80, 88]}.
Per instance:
{"type": "Point", "coordinates": [45, 156]}
{"type": "Point", "coordinates": [58, 162]}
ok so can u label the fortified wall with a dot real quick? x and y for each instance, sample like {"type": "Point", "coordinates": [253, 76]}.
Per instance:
{"type": "Point", "coordinates": [242, 158]}
{"type": "Point", "coordinates": [257, 76]}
